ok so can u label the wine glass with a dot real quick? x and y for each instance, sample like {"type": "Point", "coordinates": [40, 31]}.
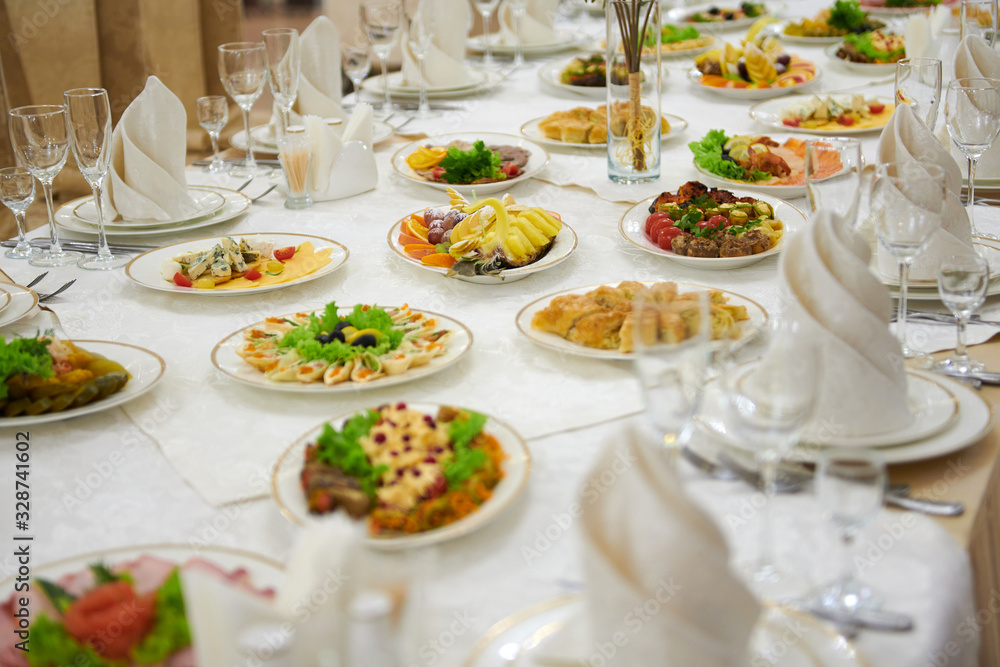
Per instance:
{"type": "Point", "coordinates": [284, 60]}
{"type": "Point", "coordinates": [907, 203]}
{"type": "Point", "coordinates": [835, 189]}
{"type": "Point", "coordinates": [357, 64]}
{"type": "Point", "coordinates": [38, 136]}
{"type": "Point", "coordinates": [213, 114]}
{"type": "Point", "coordinates": [962, 283]}
{"type": "Point", "coordinates": [972, 111]}
{"type": "Point", "coordinates": [17, 191]}
{"type": "Point", "coordinates": [979, 18]}
{"type": "Point", "coordinates": [850, 485]}
{"type": "Point", "coordinates": [420, 35]}
{"type": "Point", "coordinates": [88, 119]}
{"type": "Point", "coordinates": [243, 70]}
{"type": "Point", "coordinates": [381, 20]}
{"type": "Point", "coordinates": [518, 8]}
{"type": "Point", "coordinates": [486, 9]}
{"type": "Point", "coordinates": [769, 404]}
{"type": "Point", "coordinates": [918, 83]}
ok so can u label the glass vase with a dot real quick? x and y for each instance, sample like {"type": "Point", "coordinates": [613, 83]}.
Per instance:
{"type": "Point", "coordinates": [633, 90]}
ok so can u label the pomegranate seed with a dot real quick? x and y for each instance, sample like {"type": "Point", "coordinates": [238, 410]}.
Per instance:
{"type": "Point", "coordinates": [400, 406]}
{"type": "Point", "coordinates": [379, 438]}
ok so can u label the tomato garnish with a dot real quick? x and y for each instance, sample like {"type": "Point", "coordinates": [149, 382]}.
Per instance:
{"type": "Point", "coordinates": [510, 169]}
{"type": "Point", "coordinates": [252, 274]}
{"type": "Point", "coordinates": [284, 254]}
{"type": "Point", "coordinates": [876, 108]}
{"type": "Point", "coordinates": [181, 280]}
{"type": "Point", "coordinates": [791, 122]}
{"type": "Point", "coordinates": [845, 120]}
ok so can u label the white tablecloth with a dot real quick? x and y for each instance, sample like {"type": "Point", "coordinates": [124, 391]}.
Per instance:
{"type": "Point", "coordinates": [169, 466]}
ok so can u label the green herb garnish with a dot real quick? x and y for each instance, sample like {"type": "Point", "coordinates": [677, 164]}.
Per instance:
{"type": "Point", "coordinates": [24, 355]}
{"type": "Point", "coordinates": [708, 156]}
{"type": "Point", "coordinates": [342, 449]}
{"type": "Point", "coordinates": [303, 337]}
{"type": "Point", "coordinates": [465, 461]}
{"type": "Point", "coordinates": [51, 644]}
{"type": "Point", "coordinates": [470, 166]}
{"type": "Point", "coordinates": [863, 44]}
{"type": "Point", "coordinates": [170, 631]}
{"type": "Point", "coordinates": [847, 15]}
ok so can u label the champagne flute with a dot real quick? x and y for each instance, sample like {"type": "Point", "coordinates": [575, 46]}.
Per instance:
{"type": "Point", "coordinates": [486, 9]}
{"type": "Point", "coordinates": [357, 63]}
{"type": "Point", "coordinates": [850, 486]}
{"type": "Point", "coordinates": [38, 136]}
{"type": "Point", "coordinates": [381, 20]}
{"type": "Point", "coordinates": [213, 114]}
{"type": "Point", "coordinates": [918, 83]}
{"type": "Point", "coordinates": [420, 35]}
{"type": "Point", "coordinates": [284, 60]}
{"type": "Point", "coordinates": [979, 18]}
{"type": "Point", "coordinates": [907, 203]}
{"type": "Point", "coordinates": [840, 191]}
{"type": "Point", "coordinates": [972, 111]}
{"type": "Point", "coordinates": [88, 119]}
{"type": "Point", "coordinates": [17, 191]}
{"type": "Point", "coordinates": [962, 284]}
{"type": "Point", "coordinates": [243, 70]}
{"type": "Point", "coordinates": [518, 8]}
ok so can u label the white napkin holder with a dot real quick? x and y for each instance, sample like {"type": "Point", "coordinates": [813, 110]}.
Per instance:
{"type": "Point", "coordinates": [353, 172]}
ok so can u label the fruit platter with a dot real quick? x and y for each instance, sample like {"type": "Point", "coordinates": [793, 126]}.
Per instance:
{"type": "Point", "coordinates": [417, 473]}
{"type": "Point", "coordinates": [489, 241]}
{"type": "Point", "coordinates": [830, 25]}
{"type": "Point", "coordinates": [757, 161]}
{"type": "Point", "coordinates": [870, 52]}
{"type": "Point", "coordinates": [830, 115]}
{"type": "Point", "coordinates": [342, 349]}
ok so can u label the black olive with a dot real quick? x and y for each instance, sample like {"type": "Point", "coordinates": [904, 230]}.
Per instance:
{"type": "Point", "coordinates": [337, 335]}
{"type": "Point", "coordinates": [341, 325]}
{"type": "Point", "coordinates": [323, 338]}
{"type": "Point", "coordinates": [714, 10]}
{"type": "Point", "coordinates": [727, 158]}
{"type": "Point", "coordinates": [725, 151]}
{"type": "Point", "coordinates": [683, 205]}
{"type": "Point", "coordinates": [365, 340]}
{"type": "Point", "coordinates": [729, 16]}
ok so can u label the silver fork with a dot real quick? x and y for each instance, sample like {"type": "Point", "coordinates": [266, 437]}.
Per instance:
{"type": "Point", "coordinates": [46, 297]}
{"type": "Point", "coordinates": [37, 280]}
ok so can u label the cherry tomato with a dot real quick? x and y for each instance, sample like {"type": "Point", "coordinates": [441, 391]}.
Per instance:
{"type": "Point", "coordinates": [510, 169]}
{"type": "Point", "coordinates": [284, 254]}
{"type": "Point", "coordinates": [717, 220]}
{"type": "Point", "coordinates": [659, 226]}
{"type": "Point", "coordinates": [845, 120]}
{"type": "Point", "coordinates": [791, 122]}
{"type": "Point", "coordinates": [657, 217]}
{"type": "Point", "coordinates": [252, 274]}
{"type": "Point", "coordinates": [667, 235]}
{"type": "Point", "coordinates": [111, 618]}
{"type": "Point", "coordinates": [181, 281]}
{"type": "Point", "coordinates": [436, 173]}
{"type": "Point", "coordinates": [876, 108]}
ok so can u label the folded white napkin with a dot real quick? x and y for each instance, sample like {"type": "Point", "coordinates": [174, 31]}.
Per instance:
{"type": "Point", "coordinates": [975, 59]}
{"type": "Point", "coordinates": [449, 24]}
{"type": "Point", "coordinates": [659, 587]}
{"type": "Point", "coordinates": [906, 140]}
{"type": "Point", "coordinates": [923, 33]}
{"type": "Point", "coordinates": [536, 26]}
{"type": "Point", "coordinates": [343, 163]}
{"type": "Point", "coordinates": [320, 83]}
{"type": "Point", "coordinates": [230, 626]}
{"type": "Point", "coordinates": [845, 309]}
{"type": "Point", "coordinates": [148, 148]}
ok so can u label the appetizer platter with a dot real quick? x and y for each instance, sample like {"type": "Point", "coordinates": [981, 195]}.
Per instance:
{"type": "Point", "coordinates": [709, 228]}
{"type": "Point", "coordinates": [483, 162]}
{"type": "Point", "coordinates": [339, 350]}
{"type": "Point", "coordinates": [46, 379]}
{"type": "Point", "coordinates": [724, 16]}
{"type": "Point", "coordinates": [678, 41]}
{"type": "Point", "coordinates": [491, 241]}
{"type": "Point", "coordinates": [20, 302]}
{"type": "Point", "coordinates": [418, 473]}
{"type": "Point", "coordinates": [234, 265]}
{"type": "Point", "coordinates": [597, 321]}
{"type": "Point", "coordinates": [73, 598]}
{"type": "Point", "coordinates": [869, 53]}
{"type": "Point", "coordinates": [830, 25]}
{"type": "Point", "coordinates": [757, 162]}
{"type": "Point", "coordinates": [835, 115]}
{"type": "Point", "coordinates": [585, 127]}
{"type": "Point", "coordinates": [479, 81]}
{"type": "Point", "coordinates": [586, 75]}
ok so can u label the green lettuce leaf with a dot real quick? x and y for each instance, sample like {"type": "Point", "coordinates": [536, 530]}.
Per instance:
{"type": "Point", "coordinates": [708, 156]}
{"type": "Point", "coordinates": [23, 355]}
{"type": "Point", "coordinates": [465, 461]}
{"type": "Point", "coordinates": [303, 337]}
{"type": "Point", "coordinates": [469, 166]}
{"type": "Point", "coordinates": [343, 449]}
{"type": "Point", "coordinates": [170, 632]}
{"type": "Point", "coordinates": [52, 646]}
{"type": "Point", "coordinates": [847, 15]}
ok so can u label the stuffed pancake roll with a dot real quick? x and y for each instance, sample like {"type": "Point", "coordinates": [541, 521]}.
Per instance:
{"type": "Point", "coordinates": [367, 368]}
{"type": "Point", "coordinates": [338, 372]}
{"type": "Point", "coordinates": [287, 368]}
{"type": "Point", "coordinates": [312, 371]}
{"type": "Point", "coordinates": [419, 353]}
{"type": "Point", "coordinates": [396, 364]}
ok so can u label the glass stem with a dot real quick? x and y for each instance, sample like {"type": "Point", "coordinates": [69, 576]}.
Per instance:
{"type": "Point", "coordinates": [768, 470]}
{"type": "Point", "coordinates": [387, 101]}
{"type": "Point", "coordinates": [488, 60]}
{"type": "Point", "coordinates": [103, 252]}
{"type": "Point", "coordinates": [55, 247]}
{"type": "Point", "coordinates": [847, 547]}
{"type": "Point", "coordinates": [960, 351]}
{"type": "Point", "coordinates": [250, 163]}
{"type": "Point", "coordinates": [904, 276]}
{"type": "Point", "coordinates": [286, 119]}
{"type": "Point", "coordinates": [216, 158]}
{"type": "Point", "coordinates": [972, 194]}
{"type": "Point", "coordinates": [22, 243]}
{"type": "Point", "coordinates": [519, 50]}
{"type": "Point", "coordinates": [425, 107]}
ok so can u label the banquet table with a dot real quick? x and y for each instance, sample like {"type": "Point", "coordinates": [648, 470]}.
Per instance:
{"type": "Point", "coordinates": [190, 462]}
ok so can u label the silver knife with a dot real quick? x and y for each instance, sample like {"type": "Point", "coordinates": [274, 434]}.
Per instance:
{"type": "Point", "coordinates": [235, 160]}
{"type": "Point", "coordinates": [82, 246]}
{"type": "Point", "coordinates": [983, 376]}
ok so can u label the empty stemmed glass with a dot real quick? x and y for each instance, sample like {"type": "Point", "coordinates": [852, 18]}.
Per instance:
{"type": "Point", "coordinates": [357, 63]}
{"type": "Point", "coordinates": [17, 191]}
{"type": "Point", "coordinates": [283, 63]}
{"type": "Point", "coordinates": [486, 9]}
{"type": "Point", "coordinates": [38, 136]}
{"type": "Point", "coordinates": [850, 486]}
{"type": "Point", "coordinates": [518, 8]}
{"type": "Point", "coordinates": [962, 284]}
{"type": "Point", "coordinates": [213, 114]}
{"type": "Point", "coordinates": [972, 111]}
{"type": "Point", "coordinates": [918, 83]}
{"type": "Point", "coordinates": [978, 17]}
{"type": "Point", "coordinates": [907, 203]}
{"type": "Point", "coordinates": [243, 70]}
{"type": "Point", "coordinates": [381, 20]}
{"type": "Point", "coordinates": [831, 188]}
{"type": "Point", "coordinates": [419, 36]}
{"type": "Point", "coordinates": [88, 118]}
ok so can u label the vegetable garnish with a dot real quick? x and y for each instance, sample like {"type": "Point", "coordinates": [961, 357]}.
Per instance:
{"type": "Point", "coordinates": [847, 15]}
{"type": "Point", "coordinates": [343, 449]}
{"type": "Point", "coordinates": [863, 44]}
{"type": "Point", "coordinates": [170, 630]}
{"type": "Point", "coordinates": [708, 156]}
{"type": "Point", "coordinates": [470, 166]}
{"type": "Point", "coordinates": [24, 355]}
{"type": "Point", "coordinates": [303, 338]}
{"type": "Point", "coordinates": [466, 461]}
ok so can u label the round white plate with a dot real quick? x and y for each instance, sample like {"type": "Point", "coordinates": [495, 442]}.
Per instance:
{"type": "Point", "coordinates": [236, 204]}
{"type": "Point", "coordinates": [753, 93]}
{"type": "Point", "coordinates": [5, 298]}
{"type": "Point", "coordinates": [530, 130]}
{"type": "Point", "coordinates": [769, 113]}
{"type": "Point", "coordinates": [225, 358]}
{"type": "Point", "coordinates": [679, 15]}
{"type": "Point", "coordinates": [633, 227]}
{"type": "Point", "coordinates": [264, 141]}
{"type": "Point", "coordinates": [564, 244]}
{"type": "Point", "coordinates": [784, 191]}
{"type": "Point", "coordinates": [287, 490]}
{"type": "Point", "coordinates": [21, 301]}
{"type": "Point", "coordinates": [758, 317]}
{"type": "Point", "coordinates": [988, 252]}
{"type": "Point", "coordinates": [933, 400]}
{"type": "Point", "coordinates": [517, 639]}
{"type": "Point", "coordinates": [802, 40]}
{"type": "Point", "coordinates": [564, 39]}
{"type": "Point", "coordinates": [549, 74]}
{"type": "Point", "coordinates": [145, 367]}
{"type": "Point", "coordinates": [873, 69]}
{"type": "Point", "coordinates": [481, 80]}
{"type": "Point", "coordinates": [536, 161]}
{"type": "Point", "coordinates": [144, 270]}
{"type": "Point", "coordinates": [209, 203]}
